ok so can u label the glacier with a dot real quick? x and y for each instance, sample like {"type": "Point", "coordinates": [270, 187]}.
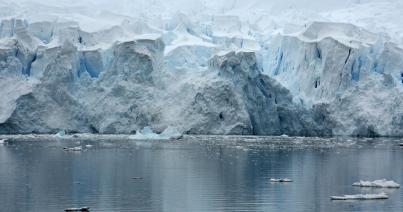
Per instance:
{"type": "Point", "coordinates": [201, 74]}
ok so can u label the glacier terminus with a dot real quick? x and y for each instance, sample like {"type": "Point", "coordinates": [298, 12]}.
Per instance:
{"type": "Point", "coordinates": [206, 73]}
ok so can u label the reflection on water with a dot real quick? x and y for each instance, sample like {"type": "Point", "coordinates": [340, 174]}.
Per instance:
{"type": "Point", "coordinates": [197, 174]}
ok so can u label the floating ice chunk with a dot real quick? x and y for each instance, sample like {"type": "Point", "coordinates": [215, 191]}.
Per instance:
{"type": "Point", "coordinates": [361, 197]}
{"type": "Point", "coordinates": [171, 133]}
{"type": "Point", "coordinates": [145, 134]}
{"type": "Point", "coordinates": [148, 134]}
{"type": "Point", "coordinates": [74, 149]}
{"type": "Point", "coordinates": [88, 146]}
{"type": "Point", "coordinates": [77, 209]}
{"type": "Point", "coordinates": [2, 141]}
{"type": "Point", "coordinates": [285, 180]}
{"type": "Point", "coordinates": [377, 183]}
{"type": "Point", "coordinates": [61, 134]}
{"type": "Point", "coordinates": [107, 145]}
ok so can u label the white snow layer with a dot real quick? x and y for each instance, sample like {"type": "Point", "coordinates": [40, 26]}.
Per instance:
{"type": "Point", "coordinates": [377, 184]}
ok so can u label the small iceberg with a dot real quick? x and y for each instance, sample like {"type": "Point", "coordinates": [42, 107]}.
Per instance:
{"type": "Point", "coordinates": [3, 141]}
{"type": "Point", "coordinates": [361, 197]}
{"type": "Point", "coordinates": [148, 134]}
{"type": "Point", "coordinates": [137, 178]}
{"type": "Point", "coordinates": [73, 149]}
{"type": "Point", "coordinates": [145, 134]}
{"type": "Point", "coordinates": [60, 134]}
{"type": "Point", "coordinates": [77, 209]}
{"type": "Point", "coordinates": [377, 184]}
{"type": "Point", "coordinates": [171, 133]}
{"type": "Point", "coordinates": [285, 180]}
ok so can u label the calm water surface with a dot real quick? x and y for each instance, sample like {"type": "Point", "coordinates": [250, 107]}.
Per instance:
{"type": "Point", "coordinates": [197, 174]}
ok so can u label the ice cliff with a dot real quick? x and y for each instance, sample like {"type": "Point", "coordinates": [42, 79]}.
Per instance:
{"type": "Point", "coordinates": [354, 72]}
{"type": "Point", "coordinates": [213, 75]}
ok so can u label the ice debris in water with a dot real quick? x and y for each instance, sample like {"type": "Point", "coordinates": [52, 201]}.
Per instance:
{"type": "Point", "coordinates": [148, 134]}
{"type": "Point", "coordinates": [285, 180]}
{"type": "Point", "coordinates": [361, 197]}
{"type": "Point", "coordinates": [378, 184]}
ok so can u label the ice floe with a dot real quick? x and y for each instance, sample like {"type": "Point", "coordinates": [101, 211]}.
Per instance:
{"type": "Point", "coordinates": [73, 149]}
{"type": "Point", "coordinates": [284, 180]}
{"type": "Point", "coordinates": [361, 197]}
{"type": "Point", "coordinates": [377, 184]}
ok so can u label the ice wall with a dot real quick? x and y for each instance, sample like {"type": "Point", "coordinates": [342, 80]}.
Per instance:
{"type": "Point", "coordinates": [206, 74]}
